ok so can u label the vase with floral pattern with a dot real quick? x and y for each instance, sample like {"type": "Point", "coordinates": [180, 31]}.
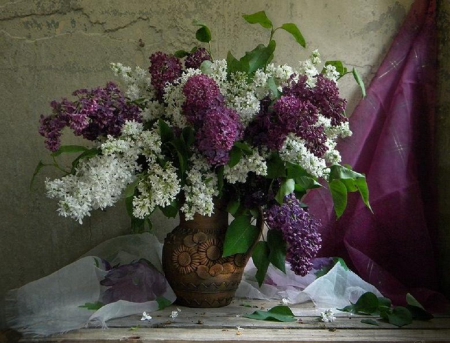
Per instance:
{"type": "Point", "coordinates": [193, 263]}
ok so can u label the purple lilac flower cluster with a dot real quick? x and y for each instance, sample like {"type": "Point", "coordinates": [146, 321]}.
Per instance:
{"type": "Point", "coordinates": [96, 113]}
{"type": "Point", "coordinates": [297, 112]}
{"type": "Point", "coordinates": [164, 69]}
{"type": "Point", "coordinates": [300, 230]}
{"type": "Point", "coordinates": [221, 129]}
{"type": "Point", "coordinates": [195, 59]}
{"type": "Point", "coordinates": [202, 95]}
{"type": "Point", "coordinates": [218, 126]}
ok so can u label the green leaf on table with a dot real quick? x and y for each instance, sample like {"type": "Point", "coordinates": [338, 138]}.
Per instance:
{"type": "Point", "coordinates": [278, 249]}
{"type": "Point", "coordinates": [240, 236]}
{"type": "Point", "coordinates": [163, 302]}
{"type": "Point", "coordinates": [258, 18]}
{"type": "Point", "coordinates": [295, 32]}
{"type": "Point", "coordinates": [261, 260]}
{"type": "Point", "coordinates": [92, 306]}
{"type": "Point", "coordinates": [416, 309]}
{"type": "Point", "coordinates": [277, 313]}
{"type": "Point", "coordinates": [366, 304]}
{"type": "Point", "coordinates": [400, 316]}
{"type": "Point", "coordinates": [370, 321]}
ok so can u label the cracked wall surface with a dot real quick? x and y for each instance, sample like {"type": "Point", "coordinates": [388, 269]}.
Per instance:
{"type": "Point", "coordinates": [49, 48]}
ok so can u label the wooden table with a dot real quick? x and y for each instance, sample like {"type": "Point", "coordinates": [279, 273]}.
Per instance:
{"type": "Point", "coordinates": [227, 324]}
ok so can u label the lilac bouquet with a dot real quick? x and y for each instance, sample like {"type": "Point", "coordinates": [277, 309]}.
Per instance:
{"type": "Point", "coordinates": [193, 129]}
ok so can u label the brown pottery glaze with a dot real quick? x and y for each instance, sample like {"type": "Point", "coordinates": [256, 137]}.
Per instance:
{"type": "Point", "coordinates": [193, 262]}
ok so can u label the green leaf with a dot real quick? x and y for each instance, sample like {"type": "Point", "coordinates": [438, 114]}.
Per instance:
{"type": "Point", "coordinates": [233, 207]}
{"type": "Point", "coordinates": [416, 309]}
{"type": "Point", "coordinates": [339, 195]}
{"type": "Point", "coordinates": [352, 180]}
{"type": "Point", "coordinates": [245, 147]}
{"type": "Point", "coordinates": [260, 258]}
{"type": "Point", "coordinates": [85, 155]}
{"type": "Point", "coordinates": [92, 306]}
{"type": "Point", "coordinates": [287, 187]}
{"type": "Point", "coordinates": [240, 236]}
{"type": "Point", "coordinates": [163, 303]}
{"type": "Point", "coordinates": [172, 209]}
{"type": "Point", "coordinates": [203, 34]}
{"type": "Point", "coordinates": [206, 67]}
{"type": "Point", "coordinates": [258, 18]}
{"type": "Point", "coordinates": [295, 32]}
{"type": "Point", "coordinates": [278, 314]}
{"type": "Point", "coordinates": [131, 188]}
{"type": "Point", "coordinates": [366, 304]}
{"type": "Point", "coordinates": [360, 82]}
{"type": "Point", "coordinates": [277, 246]}
{"type": "Point", "coordinates": [340, 67]}
{"type": "Point", "coordinates": [370, 321]}
{"type": "Point", "coordinates": [181, 53]}
{"type": "Point", "coordinates": [303, 183]}
{"type": "Point", "coordinates": [234, 65]}
{"type": "Point", "coordinates": [69, 149]}
{"type": "Point", "coordinates": [275, 167]}
{"type": "Point", "coordinates": [400, 316]}
{"type": "Point", "coordinates": [273, 88]}
{"type": "Point", "coordinates": [235, 156]}
{"type": "Point", "coordinates": [37, 170]}
{"type": "Point", "coordinates": [384, 302]}
{"type": "Point", "coordinates": [165, 131]}
{"type": "Point", "coordinates": [188, 136]}
{"type": "Point", "coordinates": [259, 57]}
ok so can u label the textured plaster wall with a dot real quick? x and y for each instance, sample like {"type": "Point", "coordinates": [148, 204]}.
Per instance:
{"type": "Point", "coordinates": [49, 48]}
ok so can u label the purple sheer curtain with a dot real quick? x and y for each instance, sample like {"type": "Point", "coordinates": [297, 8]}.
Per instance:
{"type": "Point", "coordinates": [393, 145]}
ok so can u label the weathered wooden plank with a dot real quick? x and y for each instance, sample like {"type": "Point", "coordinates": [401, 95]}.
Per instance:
{"type": "Point", "coordinates": [311, 323]}
{"type": "Point", "coordinates": [250, 335]}
{"type": "Point", "coordinates": [228, 324]}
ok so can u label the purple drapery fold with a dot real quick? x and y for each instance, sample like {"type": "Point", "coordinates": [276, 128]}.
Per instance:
{"type": "Point", "coordinates": [393, 145]}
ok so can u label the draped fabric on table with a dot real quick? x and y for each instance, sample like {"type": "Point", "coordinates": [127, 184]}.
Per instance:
{"type": "Point", "coordinates": [393, 145]}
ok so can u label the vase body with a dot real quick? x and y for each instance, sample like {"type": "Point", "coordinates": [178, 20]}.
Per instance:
{"type": "Point", "coordinates": [193, 262]}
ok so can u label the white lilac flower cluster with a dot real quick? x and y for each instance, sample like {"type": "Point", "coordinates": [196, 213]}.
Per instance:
{"type": "Point", "coordinates": [327, 316]}
{"type": "Point", "coordinates": [200, 189]}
